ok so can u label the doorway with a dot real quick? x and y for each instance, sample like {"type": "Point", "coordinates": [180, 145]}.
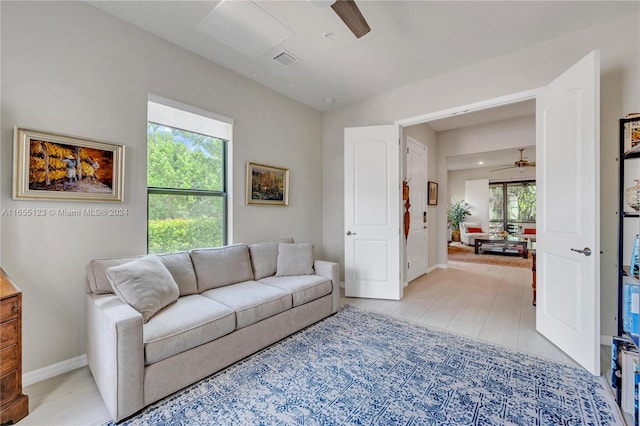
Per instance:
{"type": "Point", "coordinates": [567, 140]}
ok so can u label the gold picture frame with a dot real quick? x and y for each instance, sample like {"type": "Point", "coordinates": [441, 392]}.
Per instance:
{"type": "Point", "coordinates": [267, 185]}
{"type": "Point", "coordinates": [49, 166]}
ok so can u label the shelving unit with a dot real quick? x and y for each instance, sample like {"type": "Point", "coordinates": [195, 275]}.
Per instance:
{"type": "Point", "coordinates": [628, 221]}
{"type": "Point", "coordinates": [628, 227]}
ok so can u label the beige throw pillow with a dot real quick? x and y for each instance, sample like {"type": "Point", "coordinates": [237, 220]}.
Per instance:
{"type": "Point", "coordinates": [144, 284]}
{"type": "Point", "coordinates": [295, 259]}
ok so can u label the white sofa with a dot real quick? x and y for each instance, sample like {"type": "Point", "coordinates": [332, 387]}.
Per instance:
{"type": "Point", "coordinates": [229, 303]}
{"type": "Point", "coordinates": [527, 231]}
{"type": "Point", "coordinates": [467, 237]}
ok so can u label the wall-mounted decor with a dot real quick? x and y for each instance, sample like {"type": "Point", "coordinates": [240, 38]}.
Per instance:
{"type": "Point", "coordinates": [433, 194]}
{"type": "Point", "coordinates": [59, 167]}
{"type": "Point", "coordinates": [267, 185]}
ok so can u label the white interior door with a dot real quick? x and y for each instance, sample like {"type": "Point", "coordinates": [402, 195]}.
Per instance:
{"type": "Point", "coordinates": [568, 191]}
{"type": "Point", "coordinates": [417, 238]}
{"type": "Point", "coordinates": [372, 212]}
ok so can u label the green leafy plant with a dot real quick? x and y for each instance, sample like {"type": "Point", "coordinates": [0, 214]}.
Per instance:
{"type": "Point", "coordinates": [457, 213]}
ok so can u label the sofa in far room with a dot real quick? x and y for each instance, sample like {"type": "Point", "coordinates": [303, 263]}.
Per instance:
{"type": "Point", "coordinates": [527, 231]}
{"type": "Point", "coordinates": [469, 231]}
{"type": "Point", "coordinates": [158, 323]}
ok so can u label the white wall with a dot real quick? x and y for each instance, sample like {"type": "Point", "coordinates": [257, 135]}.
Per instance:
{"type": "Point", "coordinates": [477, 196]}
{"type": "Point", "coordinates": [69, 68]}
{"type": "Point", "coordinates": [519, 71]}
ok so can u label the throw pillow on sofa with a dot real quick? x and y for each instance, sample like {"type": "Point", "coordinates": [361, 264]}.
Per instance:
{"type": "Point", "coordinates": [295, 259]}
{"type": "Point", "coordinates": [145, 284]}
{"type": "Point", "coordinates": [474, 230]}
{"type": "Point", "coordinates": [264, 257]}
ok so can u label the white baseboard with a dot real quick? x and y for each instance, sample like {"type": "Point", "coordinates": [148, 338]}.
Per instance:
{"type": "Point", "coordinates": [442, 265]}
{"type": "Point", "coordinates": [433, 268]}
{"type": "Point", "coordinates": [53, 370]}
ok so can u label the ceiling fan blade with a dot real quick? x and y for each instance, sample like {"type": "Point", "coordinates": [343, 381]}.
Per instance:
{"type": "Point", "coordinates": [348, 11]}
{"type": "Point", "coordinates": [531, 164]}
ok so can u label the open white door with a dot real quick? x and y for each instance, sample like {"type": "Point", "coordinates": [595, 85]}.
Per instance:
{"type": "Point", "coordinates": [416, 174]}
{"type": "Point", "coordinates": [568, 194]}
{"type": "Point", "coordinates": [372, 212]}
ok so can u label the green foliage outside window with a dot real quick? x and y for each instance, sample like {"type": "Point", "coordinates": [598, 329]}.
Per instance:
{"type": "Point", "coordinates": [511, 203]}
{"type": "Point", "coordinates": [186, 189]}
{"type": "Point", "coordinates": [521, 199]}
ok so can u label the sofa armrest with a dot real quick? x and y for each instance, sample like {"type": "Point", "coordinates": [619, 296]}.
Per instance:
{"type": "Point", "coordinates": [330, 270]}
{"type": "Point", "coordinates": [115, 353]}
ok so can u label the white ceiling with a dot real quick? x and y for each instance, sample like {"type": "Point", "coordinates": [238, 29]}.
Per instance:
{"type": "Point", "coordinates": [409, 40]}
{"type": "Point", "coordinates": [493, 159]}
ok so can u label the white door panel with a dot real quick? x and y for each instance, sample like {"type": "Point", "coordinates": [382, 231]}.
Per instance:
{"type": "Point", "coordinates": [417, 239]}
{"type": "Point", "coordinates": [372, 212]}
{"type": "Point", "coordinates": [568, 191]}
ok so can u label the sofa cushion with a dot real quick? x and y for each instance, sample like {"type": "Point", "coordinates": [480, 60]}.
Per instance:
{"type": "Point", "coordinates": [97, 277]}
{"type": "Point", "coordinates": [464, 226]}
{"type": "Point", "coordinates": [218, 267]}
{"type": "Point", "coordinates": [303, 288]}
{"type": "Point", "coordinates": [181, 268]}
{"type": "Point", "coordinates": [295, 259]}
{"type": "Point", "coordinates": [179, 264]}
{"type": "Point", "coordinates": [145, 284]}
{"type": "Point", "coordinates": [252, 301]}
{"type": "Point", "coordinates": [190, 322]}
{"type": "Point", "coordinates": [264, 257]}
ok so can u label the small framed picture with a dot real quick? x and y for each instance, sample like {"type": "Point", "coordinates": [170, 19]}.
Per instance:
{"type": "Point", "coordinates": [267, 185]}
{"type": "Point", "coordinates": [433, 194]}
{"type": "Point", "coordinates": [59, 167]}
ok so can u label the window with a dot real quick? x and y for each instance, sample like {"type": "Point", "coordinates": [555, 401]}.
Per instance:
{"type": "Point", "coordinates": [186, 181]}
{"type": "Point", "coordinates": [511, 204]}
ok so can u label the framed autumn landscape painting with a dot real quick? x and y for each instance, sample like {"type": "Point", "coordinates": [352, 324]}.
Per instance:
{"type": "Point", "coordinates": [59, 167]}
{"type": "Point", "coordinates": [267, 185]}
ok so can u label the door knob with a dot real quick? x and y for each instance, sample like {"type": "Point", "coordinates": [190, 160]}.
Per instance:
{"type": "Point", "coordinates": [351, 233]}
{"type": "Point", "coordinates": [586, 251]}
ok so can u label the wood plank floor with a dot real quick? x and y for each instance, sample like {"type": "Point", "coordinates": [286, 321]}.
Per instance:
{"type": "Point", "coordinates": [485, 302]}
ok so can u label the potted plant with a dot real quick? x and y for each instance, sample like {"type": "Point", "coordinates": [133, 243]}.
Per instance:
{"type": "Point", "coordinates": [457, 213]}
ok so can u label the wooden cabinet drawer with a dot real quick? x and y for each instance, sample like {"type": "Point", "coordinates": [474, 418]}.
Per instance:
{"type": "Point", "coordinates": [9, 358]}
{"type": "Point", "coordinates": [9, 308]}
{"type": "Point", "coordinates": [8, 333]}
{"type": "Point", "coordinates": [9, 385]}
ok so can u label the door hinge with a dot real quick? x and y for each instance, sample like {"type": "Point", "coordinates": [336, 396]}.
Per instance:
{"type": "Point", "coordinates": [407, 150]}
{"type": "Point", "coordinates": [408, 265]}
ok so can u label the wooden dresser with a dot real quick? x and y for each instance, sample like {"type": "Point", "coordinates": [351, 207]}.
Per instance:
{"type": "Point", "coordinates": [14, 405]}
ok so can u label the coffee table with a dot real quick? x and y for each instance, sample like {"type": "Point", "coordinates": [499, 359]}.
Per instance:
{"type": "Point", "coordinates": [501, 246]}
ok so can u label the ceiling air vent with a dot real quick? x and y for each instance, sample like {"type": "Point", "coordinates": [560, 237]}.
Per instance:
{"type": "Point", "coordinates": [285, 58]}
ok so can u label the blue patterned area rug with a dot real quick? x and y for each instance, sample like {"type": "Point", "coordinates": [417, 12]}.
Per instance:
{"type": "Point", "coordinates": [362, 368]}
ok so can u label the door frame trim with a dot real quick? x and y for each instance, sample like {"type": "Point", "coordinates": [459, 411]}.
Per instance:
{"type": "Point", "coordinates": [472, 107]}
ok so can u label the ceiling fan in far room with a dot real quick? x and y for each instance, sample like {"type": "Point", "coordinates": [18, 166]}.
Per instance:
{"type": "Point", "coordinates": [520, 164]}
{"type": "Point", "coordinates": [349, 12]}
